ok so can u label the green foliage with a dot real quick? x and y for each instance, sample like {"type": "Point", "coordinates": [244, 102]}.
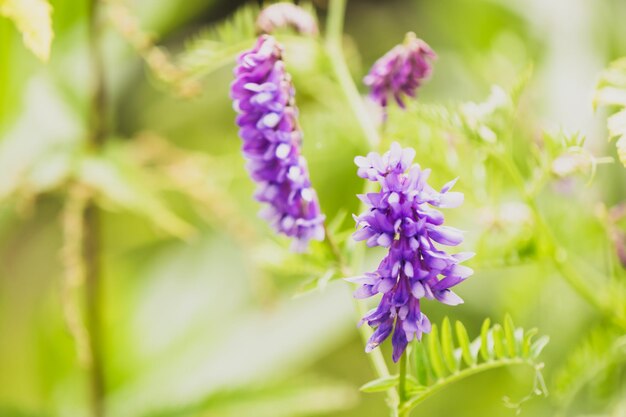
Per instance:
{"type": "Point", "coordinates": [591, 365]}
{"type": "Point", "coordinates": [438, 361]}
{"type": "Point", "coordinates": [215, 46]}
{"type": "Point", "coordinates": [381, 384]}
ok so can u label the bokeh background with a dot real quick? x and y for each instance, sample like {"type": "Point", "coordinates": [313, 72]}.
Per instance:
{"type": "Point", "coordinates": [215, 323]}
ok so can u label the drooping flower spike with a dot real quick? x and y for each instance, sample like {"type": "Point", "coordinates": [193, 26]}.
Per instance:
{"type": "Point", "coordinates": [403, 217]}
{"type": "Point", "coordinates": [400, 72]}
{"type": "Point", "coordinates": [283, 15]}
{"type": "Point", "coordinates": [263, 97]}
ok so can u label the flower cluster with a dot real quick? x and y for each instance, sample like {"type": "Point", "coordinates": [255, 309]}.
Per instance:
{"type": "Point", "coordinates": [400, 71]}
{"type": "Point", "coordinates": [402, 218]}
{"type": "Point", "coordinates": [282, 15]}
{"type": "Point", "coordinates": [263, 96]}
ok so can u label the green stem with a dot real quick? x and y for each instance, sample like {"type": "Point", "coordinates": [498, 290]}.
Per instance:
{"type": "Point", "coordinates": [334, 35]}
{"type": "Point", "coordinates": [375, 357]}
{"type": "Point", "coordinates": [402, 381]}
{"type": "Point", "coordinates": [558, 254]}
{"type": "Point", "coordinates": [91, 222]}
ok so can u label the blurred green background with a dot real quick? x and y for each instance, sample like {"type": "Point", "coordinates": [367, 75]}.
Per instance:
{"type": "Point", "coordinates": [203, 326]}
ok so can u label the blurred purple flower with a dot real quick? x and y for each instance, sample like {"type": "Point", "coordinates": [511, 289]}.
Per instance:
{"type": "Point", "coordinates": [263, 97]}
{"type": "Point", "coordinates": [400, 71]}
{"type": "Point", "coordinates": [282, 15]}
{"type": "Point", "coordinates": [402, 218]}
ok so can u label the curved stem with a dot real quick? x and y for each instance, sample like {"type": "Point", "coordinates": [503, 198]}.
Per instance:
{"type": "Point", "coordinates": [558, 254]}
{"type": "Point", "coordinates": [334, 35]}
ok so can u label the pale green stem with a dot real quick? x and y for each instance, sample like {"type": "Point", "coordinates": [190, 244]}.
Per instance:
{"type": "Point", "coordinates": [375, 357]}
{"type": "Point", "coordinates": [402, 382]}
{"type": "Point", "coordinates": [334, 35]}
{"type": "Point", "coordinates": [558, 255]}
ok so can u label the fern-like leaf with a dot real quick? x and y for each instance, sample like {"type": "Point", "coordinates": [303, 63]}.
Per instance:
{"type": "Point", "coordinates": [216, 46]}
{"type": "Point", "coordinates": [600, 352]}
{"type": "Point", "coordinates": [439, 363]}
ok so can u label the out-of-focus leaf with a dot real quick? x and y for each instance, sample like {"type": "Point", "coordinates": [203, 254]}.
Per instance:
{"type": "Point", "coordinates": [289, 399]}
{"type": "Point", "coordinates": [611, 91]}
{"type": "Point", "coordinates": [621, 149]}
{"type": "Point", "coordinates": [124, 191]}
{"type": "Point", "coordinates": [590, 362]}
{"type": "Point", "coordinates": [215, 46]}
{"type": "Point", "coordinates": [37, 151]}
{"type": "Point", "coordinates": [33, 20]}
{"type": "Point", "coordinates": [222, 340]}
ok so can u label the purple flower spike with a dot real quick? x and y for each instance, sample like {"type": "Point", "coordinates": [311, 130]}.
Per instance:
{"type": "Point", "coordinates": [400, 71]}
{"type": "Point", "coordinates": [403, 217]}
{"type": "Point", "coordinates": [263, 97]}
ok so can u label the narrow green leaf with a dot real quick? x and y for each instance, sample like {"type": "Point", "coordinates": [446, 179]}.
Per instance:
{"type": "Point", "coordinates": [509, 334]}
{"type": "Point", "coordinates": [447, 344]}
{"type": "Point", "coordinates": [421, 363]}
{"type": "Point", "coordinates": [485, 351]}
{"type": "Point", "coordinates": [434, 353]}
{"type": "Point", "coordinates": [528, 339]}
{"type": "Point", "coordinates": [464, 344]}
{"type": "Point", "coordinates": [537, 347]}
{"type": "Point", "coordinates": [381, 384]}
{"type": "Point", "coordinates": [498, 341]}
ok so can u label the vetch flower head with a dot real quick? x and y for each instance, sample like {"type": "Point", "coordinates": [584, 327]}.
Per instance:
{"type": "Point", "coordinates": [403, 217]}
{"type": "Point", "coordinates": [400, 72]}
{"type": "Point", "coordinates": [282, 15]}
{"type": "Point", "coordinates": [263, 96]}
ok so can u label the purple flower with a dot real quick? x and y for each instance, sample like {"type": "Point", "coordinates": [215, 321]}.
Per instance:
{"type": "Point", "coordinates": [263, 97]}
{"type": "Point", "coordinates": [400, 71]}
{"type": "Point", "coordinates": [402, 217]}
{"type": "Point", "coordinates": [282, 15]}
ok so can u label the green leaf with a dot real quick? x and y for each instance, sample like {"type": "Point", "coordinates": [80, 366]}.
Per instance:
{"type": "Point", "coordinates": [33, 19]}
{"type": "Point", "coordinates": [527, 342]}
{"type": "Point", "coordinates": [447, 345]}
{"type": "Point", "coordinates": [537, 347]}
{"type": "Point", "coordinates": [434, 351]}
{"type": "Point", "coordinates": [509, 334]}
{"type": "Point", "coordinates": [122, 190]}
{"type": "Point", "coordinates": [464, 344]}
{"type": "Point", "coordinates": [590, 364]}
{"type": "Point", "coordinates": [498, 341]}
{"type": "Point", "coordinates": [216, 46]}
{"type": "Point", "coordinates": [485, 350]}
{"type": "Point", "coordinates": [380, 384]}
{"type": "Point", "coordinates": [422, 366]}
